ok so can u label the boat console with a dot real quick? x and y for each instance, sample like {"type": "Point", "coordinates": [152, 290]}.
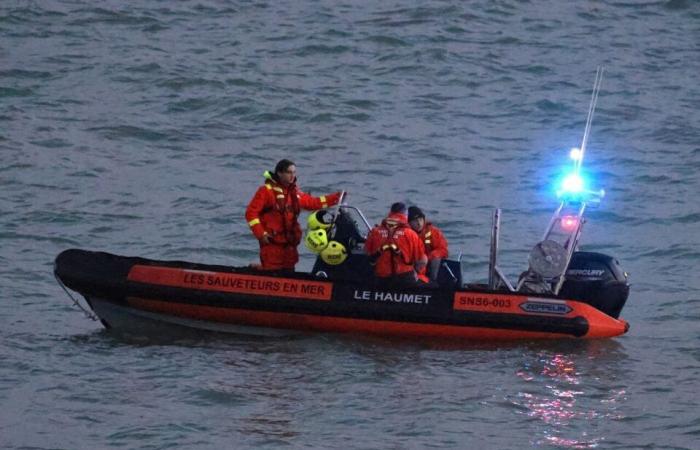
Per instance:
{"type": "Point", "coordinates": [347, 230]}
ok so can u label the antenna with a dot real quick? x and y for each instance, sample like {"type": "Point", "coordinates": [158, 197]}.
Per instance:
{"type": "Point", "coordinates": [591, 109]}
{"type": "Point", "coordinates": [550, 258]}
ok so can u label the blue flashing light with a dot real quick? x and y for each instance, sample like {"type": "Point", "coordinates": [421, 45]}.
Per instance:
{"type": "Point", "coordinates": [572, 185]}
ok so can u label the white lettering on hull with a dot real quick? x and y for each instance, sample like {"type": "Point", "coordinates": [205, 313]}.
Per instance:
{"type": "Point", "coordinates": [392, 297]}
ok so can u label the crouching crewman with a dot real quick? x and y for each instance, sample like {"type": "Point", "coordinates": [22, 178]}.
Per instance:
{"type": "Point", "coordinates": [396, 249]}
{"type": "Point", "coordinates": [433, 240]}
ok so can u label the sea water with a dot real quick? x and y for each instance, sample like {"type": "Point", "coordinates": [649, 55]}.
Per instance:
{"type": "Point", "coordinates": [144, 128]}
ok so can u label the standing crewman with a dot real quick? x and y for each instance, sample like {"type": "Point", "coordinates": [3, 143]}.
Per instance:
{"type": "Point", "coordinates": [273, 212]}
{"type": "Point", "coordinates": [396, 249]}
{"type": "Point", "coordinates": [433, 240]}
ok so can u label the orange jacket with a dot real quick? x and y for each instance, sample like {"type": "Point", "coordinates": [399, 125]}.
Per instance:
{"type": "Point", "coordinates": [434, 241]}
{"type": "Point", "coordinates": [274, 210]}
{"type": "Point", "coordinates": [398, 247]}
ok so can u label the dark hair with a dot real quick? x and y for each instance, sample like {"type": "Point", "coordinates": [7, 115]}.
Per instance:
{"type": "Point", "coordinates": [398, 207]}
{"type": "Point", "coordinates": [283, 165]}
{"type": "Point", "coordinates": [415, 212]}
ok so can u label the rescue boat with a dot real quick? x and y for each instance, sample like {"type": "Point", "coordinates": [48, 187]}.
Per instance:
{"type": "Point", "coordinates": [135, 294]}
{"type": "Point", "coordinates": [564, 293]}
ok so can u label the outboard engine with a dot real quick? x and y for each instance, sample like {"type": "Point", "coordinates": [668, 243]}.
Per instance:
{"type": "Point", "coordinates": [560, 270]}
{"type": "Point", "coordinates": [598, 280]}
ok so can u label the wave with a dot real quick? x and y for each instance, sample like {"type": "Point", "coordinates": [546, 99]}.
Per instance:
{"type": "Point", "coordinates": [108, 16]}
{"type": "Point", "coordinates": [320, 49]}
{"type": "Point", "coordinates": [129, 131]}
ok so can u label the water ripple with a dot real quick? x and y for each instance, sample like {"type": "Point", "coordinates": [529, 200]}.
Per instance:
{"type": "Point", "coordinates": [144, 130]}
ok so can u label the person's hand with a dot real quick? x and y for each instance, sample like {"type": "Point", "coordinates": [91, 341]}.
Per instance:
{"type": "Point", "coordinates": [265, 239]}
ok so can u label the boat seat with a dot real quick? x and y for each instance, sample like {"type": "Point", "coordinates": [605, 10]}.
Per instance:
{"type": "Point", "coordinates": [357, 268]}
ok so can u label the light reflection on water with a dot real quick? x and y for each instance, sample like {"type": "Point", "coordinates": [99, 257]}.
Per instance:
{"type": "Point", "coordinates": [130, 144]}
{"type": "Point", "coordinates": [567, 401]}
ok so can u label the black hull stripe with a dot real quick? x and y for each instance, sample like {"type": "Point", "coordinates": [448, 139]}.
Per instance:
{"type": "Point", "coordinates": [576, 326]}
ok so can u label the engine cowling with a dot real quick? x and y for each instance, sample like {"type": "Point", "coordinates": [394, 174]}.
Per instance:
{"type": "Point", "coordinates": [596, 279]}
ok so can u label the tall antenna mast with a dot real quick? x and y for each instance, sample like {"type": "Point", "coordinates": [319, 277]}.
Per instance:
{"type": "Point", "coordinates": [591, 109]}
{"type": "Point", "coordinates": [550, 258]}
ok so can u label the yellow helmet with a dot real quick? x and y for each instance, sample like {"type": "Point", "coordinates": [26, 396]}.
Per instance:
{"type": "Point", "coordinates": [334, 253]}
{"type": "Point", "coordinates": [316, 240]}
{"type": "Point", "coordinates": [320, 219]}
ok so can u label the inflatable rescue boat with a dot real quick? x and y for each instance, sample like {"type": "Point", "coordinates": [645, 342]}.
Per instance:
{"type": "Point", "coordinates": [564, 293]}
{"type": "Point", "coordinates": [130, 293]}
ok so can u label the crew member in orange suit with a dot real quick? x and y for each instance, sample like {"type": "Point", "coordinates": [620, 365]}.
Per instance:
{"type": "Point", "coordinates": [433, 240]}
{"type": "Point", "coordinates": [273, 212]}
{"type": "Point", "coordinates": [397, 250]}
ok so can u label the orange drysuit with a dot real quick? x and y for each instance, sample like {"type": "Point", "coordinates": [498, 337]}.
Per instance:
{"type": "Point", "coordinates": [274, 211]}
{"type": "Point", "coordinates": [435, 246]}
{"type": "Point", "coordinates": [434, 241]}
{"type": "Point", "coordinates": [396, 245]}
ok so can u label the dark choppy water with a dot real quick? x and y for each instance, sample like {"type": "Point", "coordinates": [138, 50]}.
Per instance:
{"type": "Point", "coordinates": [144, 130]}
